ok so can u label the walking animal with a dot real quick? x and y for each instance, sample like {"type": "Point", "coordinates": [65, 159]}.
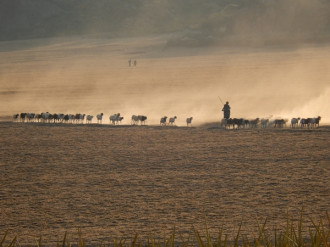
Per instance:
{"type": "Point", "coordinates": [294, 122]}
{"type": "Point", "coordinates": [163, 121]}
{"type": "Point", "coordinates": [99, 118]}
{"type": "Point", "coordinates": [89, 119]}
{"type": "Point", "coordinates": [115, 118]}
{"type": "Point", "coordinates": [188, 121]}
{"type": "Point", "coordinates": [172, 120]}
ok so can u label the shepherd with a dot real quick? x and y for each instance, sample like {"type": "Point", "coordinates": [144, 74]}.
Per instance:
{"type": "Point", "coordinates": [226, 111]}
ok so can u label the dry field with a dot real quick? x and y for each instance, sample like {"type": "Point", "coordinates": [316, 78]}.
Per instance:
{"type": "Point", "coordinates": [115, 181]}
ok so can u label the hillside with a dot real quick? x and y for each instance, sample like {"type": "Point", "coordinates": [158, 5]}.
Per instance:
{"type": "Point", "coordinates": [193, 22]}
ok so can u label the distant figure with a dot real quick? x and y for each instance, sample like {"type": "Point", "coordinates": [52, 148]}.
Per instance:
{"type": "Point", "coordinates": [226, 111]}
{"type": "Point", "coordinates": [135, 62]}
{"type": "Point", "coordinates": [129, 63]}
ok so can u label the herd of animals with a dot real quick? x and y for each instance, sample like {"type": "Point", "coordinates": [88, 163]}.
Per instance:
{"type": "Point", "coordinates": [115, 119]}
{"type": "Point", "coordinates": [79, 118]}
{"type": "Point", "coordinates": [265, 123]}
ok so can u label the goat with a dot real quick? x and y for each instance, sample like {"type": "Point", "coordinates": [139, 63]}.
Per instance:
{"type": "Point", "coordinates": [188, 121]}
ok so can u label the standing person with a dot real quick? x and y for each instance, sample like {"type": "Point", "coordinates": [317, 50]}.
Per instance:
{"type": "Point", "coordinates": [226, 111]}
{"type": "Point", "coordinates": [129, 63]}
{"type": "Point", "coordinates": [135, 62]}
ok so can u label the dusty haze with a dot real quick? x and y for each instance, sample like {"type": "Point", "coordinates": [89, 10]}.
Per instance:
{"type": "Point", "coordinates": [91, 75]}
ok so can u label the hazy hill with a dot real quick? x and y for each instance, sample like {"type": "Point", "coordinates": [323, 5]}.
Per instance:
{"type": "Point", "coordinates": [193, 22]}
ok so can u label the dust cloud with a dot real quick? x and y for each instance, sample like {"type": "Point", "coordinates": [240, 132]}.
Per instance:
{"type": "Point", "coordinates": [91, 75]}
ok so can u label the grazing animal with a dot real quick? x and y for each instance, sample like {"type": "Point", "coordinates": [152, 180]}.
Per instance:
{"type": "Point", "coordinates": [304, 122]}
{"type": "Point", "coordinates": [15, 117]}
{"type": "Point", "coordinates": [246, 123]}
{"type": "Point", "coordinates": [115, 118]}
{"type": "Point", "coordinates": [66, 118]}
{"type": "Point", "coordinates": [45, 116]}
{"type": "Point", "coordinates": [134, 119]}
{"type": "Point", "coordinates": [294, 122]}
{"type": "Point", "coordinates": [254, 123]}
{"type": "Point", "coordinates": [239, 122]}
{"type": "Point", "coordinates": [280, 123]}
{"type": "Point", "coordinates": [71, 118]}
{"type": "Point", "coordinates": [38, 117]}
{"type": "Point", "coordinates": [227, 122]}
{"type": "Point", "coordinates": [142, 119]}
{"type": "Point", "coordinates": [61, 117]}
{"type": "Point", "coordinates": [30, 116]}
{"type": "Point", "coordinates": [119, 119]}
{"type": "Point", "coordinates": [315, 122]}
{"type": "Point", "coordinates": [264, 123]}
{"type": "Point", "coordinates": [79, 118]}
{"type": "Point", "coordinates": [188, 121]}
{"type": "Point", "coordinates": [55, 117]}
{"type": "Point", "coordinates": [22, 116]}
{"type": "Point", "coordinates": [89, 118]}
{"type": "Point", "coordinates": [163, 120]}
{"type": "Point", "coordinates": [223, 123]}
{"type": "Point", "coordinates": [171, 121]}
{"type": "Point", "coordinates": [138, 118]}
{"type": "Point", "coordinates": [99, 118]}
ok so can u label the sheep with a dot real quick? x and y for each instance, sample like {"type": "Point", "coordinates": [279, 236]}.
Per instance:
{"type": "Point", "coordinates": [264, 123]}
{"type": "Point", "coordinates": [79, 118]}
{"type": "Point", "coordinates": [99, 118]}
{"type": "Point", "coordinates": [279, 123]}
{"type": "Point", "coordinates": [142, 119]}
{"type": "Point", "coordinates": [134, 119]}
{"type": "Point", "coordinates": [188, 121]}
{"type": "Point", "coordinates": [45, 116]}
{"type": "Point", "coordinates": [22, 116]}
{"type": "Point", "coordinates": [315, 121]}
{"type": "Point", "coordinates": [294, 122]}
{"type": "Point", "coordinates": [89, 118]}
{"type": "Point", "coordinates": [115, 118]}
{"type": "Point", "coordinates": [163, 120]}
{"type": "Point", "coordinates": [172, 120]}
{"type": "Point", "coordinates": [119, 119]}
{"type": "Point", "coordinates": [254, 123]}
{"type": "Point", "coordinates": [239, 122]}
{"type": "Point", "coordinates": [15, 117]}
{"type": "Point", "coordinates": [304, 122]}
{"type": "Point", "coordinates": [223, 123]}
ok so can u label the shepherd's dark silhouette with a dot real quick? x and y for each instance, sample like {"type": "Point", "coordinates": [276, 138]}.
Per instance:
{"type": "Point", "coordinates": [226, 111]}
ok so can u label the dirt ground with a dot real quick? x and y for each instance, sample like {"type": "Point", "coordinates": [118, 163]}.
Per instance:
{"type": "Point", "coordinates": [115, 181]}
